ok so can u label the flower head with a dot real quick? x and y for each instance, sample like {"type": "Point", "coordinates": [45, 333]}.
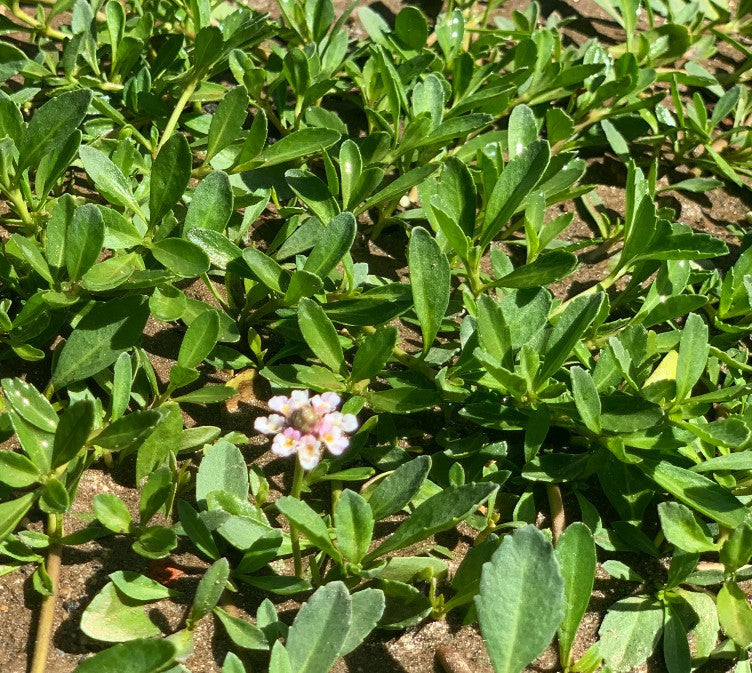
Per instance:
{"type": "Point", "coordinates": [305, 426]}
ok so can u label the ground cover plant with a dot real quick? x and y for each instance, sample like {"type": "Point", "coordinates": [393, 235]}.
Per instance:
{"type": "Point", "coordinates": [225, 175]}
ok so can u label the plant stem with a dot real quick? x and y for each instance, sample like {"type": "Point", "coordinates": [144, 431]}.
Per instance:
{"type": "Point", "coordinates": [47, 613]}
{"type": "Point", "coordinates": [297, 484]}
{"type": "Point", "coordinates": [35, 25]}
{"type": "Point", "coordinates": [172, 122]}
{"type": "Point", "coordinates": [556, 506]}
{"type": "Point", "coordinates": [19, 205]}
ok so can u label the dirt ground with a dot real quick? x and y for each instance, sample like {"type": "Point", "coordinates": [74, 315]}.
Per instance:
{"type": "Point", "coordinates": [85, 568]}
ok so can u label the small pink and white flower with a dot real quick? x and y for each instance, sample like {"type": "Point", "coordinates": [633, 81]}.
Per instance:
{"type": "Point", "coordinates": [305, 426]}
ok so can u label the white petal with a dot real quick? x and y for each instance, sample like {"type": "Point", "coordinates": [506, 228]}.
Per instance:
{"type": "Point", "coordinates": [349, 423]}
{"type": "Point", "coordinates": [309, 452]}
{"type": "Point", "coordinates": [298, 399]}
{"type": "Point", "coordinates": [269, 425]}
{"type": "Point", "coordinates": [284, 446]}
{"type": "Point", "coordinates": [281, 404]}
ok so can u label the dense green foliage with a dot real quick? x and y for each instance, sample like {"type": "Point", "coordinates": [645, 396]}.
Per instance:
{"type": "Point", "coordinates": [143, 145]}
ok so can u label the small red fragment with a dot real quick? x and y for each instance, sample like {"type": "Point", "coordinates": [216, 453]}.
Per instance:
{"type": "Point", "coordinates": [163, 572]}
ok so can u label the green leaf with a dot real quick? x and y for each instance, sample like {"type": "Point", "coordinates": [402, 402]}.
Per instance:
{"type": "Point", "coordinates": [181, 257]}
{"type": "Point", "coordinates": [333, 244]}
{"type": "Point", "coordinates": [110, 273]}
{"type": "Point", "coordinates": [399, 488]}
{"type": "Point", "coordinates": [112, 512]}
{"type": "Point", "coordinates": [196, 530]}
{"type": "Point", "coordinates": [353, 524]}
{"type": "Point", "coordinates": [310, 523]}
{"type": "Point", "coordinates": [29, 251]}
{"type": "Point", "coordinates": [737, 548]}
{"type": "Point", "coordinates": [441, 511]}
{"type": "Point", "coordinates": [266, 270]}
{"type": "Point", "coordinates": [697, 492]}
{"type": "Point", "coordinates": [521, 600]}
{"type": "Point", "coordinates": [523, 130]}
{"type": "Point", "coordinates": [586, 398]}
{"type": "Point", "coordinates": [220, 250]}
{"type": "Point", "coordinates": [115, 618]}
{"type": "Point", "coordinates": [741, 460]}
{"type": "Point", "coordinates": [139, 587]}
{"type": "Point", "coordinates": [320, 335]}
{"type": "Point", "coordinates": [155, 542]}
{"type": "Point", "coordinates": [30, 404]}
{"type": "Point", "coordinates": [519, 178]}
{"type": "Point", "coordinates": [209, 591]}
{"type": "Point", "coordinates": [211, 205]}
{"type": "Point", "coordinates": [129, 431]}
{"type": "Point", "coordinates": [705, 632]}
{"type": "Point", "coordinates": [302, 284]}
{"type": "Point", "coordinates": [676, 652]}
{"type": "Point", "coordinates": [280, 660]}
{"type": "Point", "coordinates": [207, 395]}
{"type": "Point", "coordinates": [630, 632]}
{"type": "Point", "coordinates": [207, 48]}
{"type": "Point", "coordinates": [397, 188]}
{"type": "Point", "coordinates": [233, 664]}
{"type": "Point", "coordinates": [320, 630]}
{"type": "Point", "coordinates": [546, 269]}
{"type": "Point", "coordinates": [54, 498]}
{"type": "Point", "coordinates": [106, 331]}
{"type": "Point", "coordinates": [735, 614]}
{"type": "Point", "coordinates": [227, 122]}
{"type": "Point", "coordinates": [411, 27]}
{"type": "Point", "coordinates": [222, 468]}
{"type": "Point", "coordinates": [12, 60]}
{"type": "Point", "coordinates": [430, 280]}
{"type": "Point", "coordinates": [199, 340]}
{"type": "Point", "coordinates": [313, 192]}
{"type": "Point", "coordinates": [137, 656]}
{"type": "Point", "coordinates": [299, 144]}
{"type": "Point", "coordinates": [169, 176]}
{"type": "Point", "coordinates": [569, 329]}
{"type": "Point", "coordinates": [575, 552]}
{"type": "Point", "coordinates": [693, 354]}
{"type": "Point", "coordinates": [367, 609]}
{"type": "Point", "coordinates": [374, 353]}
{"type": "Point", "coordinates": [108, 178]}
{"type": "Point", "coordinates": [72, 432]}
{"type": "Point", "coordinates": [682, 529]}
{"type": "Point", "coordinates": [12, 511]}
{"type": "Point", "coordinates": [154, 494]}
{"type": "Point", "coordinates": [615, 139]}
{"type": "Point", "coordinates": [122, 385]}
{"type": "Point", "coordinates": [84, 238]}
{"type": "Point", "coordinates": [51, 125]}
{"type": "Point", "coordinates": [244, 634]}
{"type": "Point", "coordinates": [17, 471]}
{"type": "Point", "coordinates": [374, 307]}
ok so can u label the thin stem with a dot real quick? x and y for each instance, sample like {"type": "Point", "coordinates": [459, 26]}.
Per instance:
{"type": "Point", "coordinates": [172, 122]}
{"type": "Point", "coordinates": [35, 25]}
{"type": "Point", "coordinates": [19, 205]}
{"type": "Point", "coordinates": [47, 613]}
{"type": "Point", "coordinates": [556, 506]}
{"type": "Point", "coordinates": [297, 484]}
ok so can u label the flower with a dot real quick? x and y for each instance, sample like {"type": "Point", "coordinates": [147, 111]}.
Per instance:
{"type": "Point", "coordinates": [306, 426]}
